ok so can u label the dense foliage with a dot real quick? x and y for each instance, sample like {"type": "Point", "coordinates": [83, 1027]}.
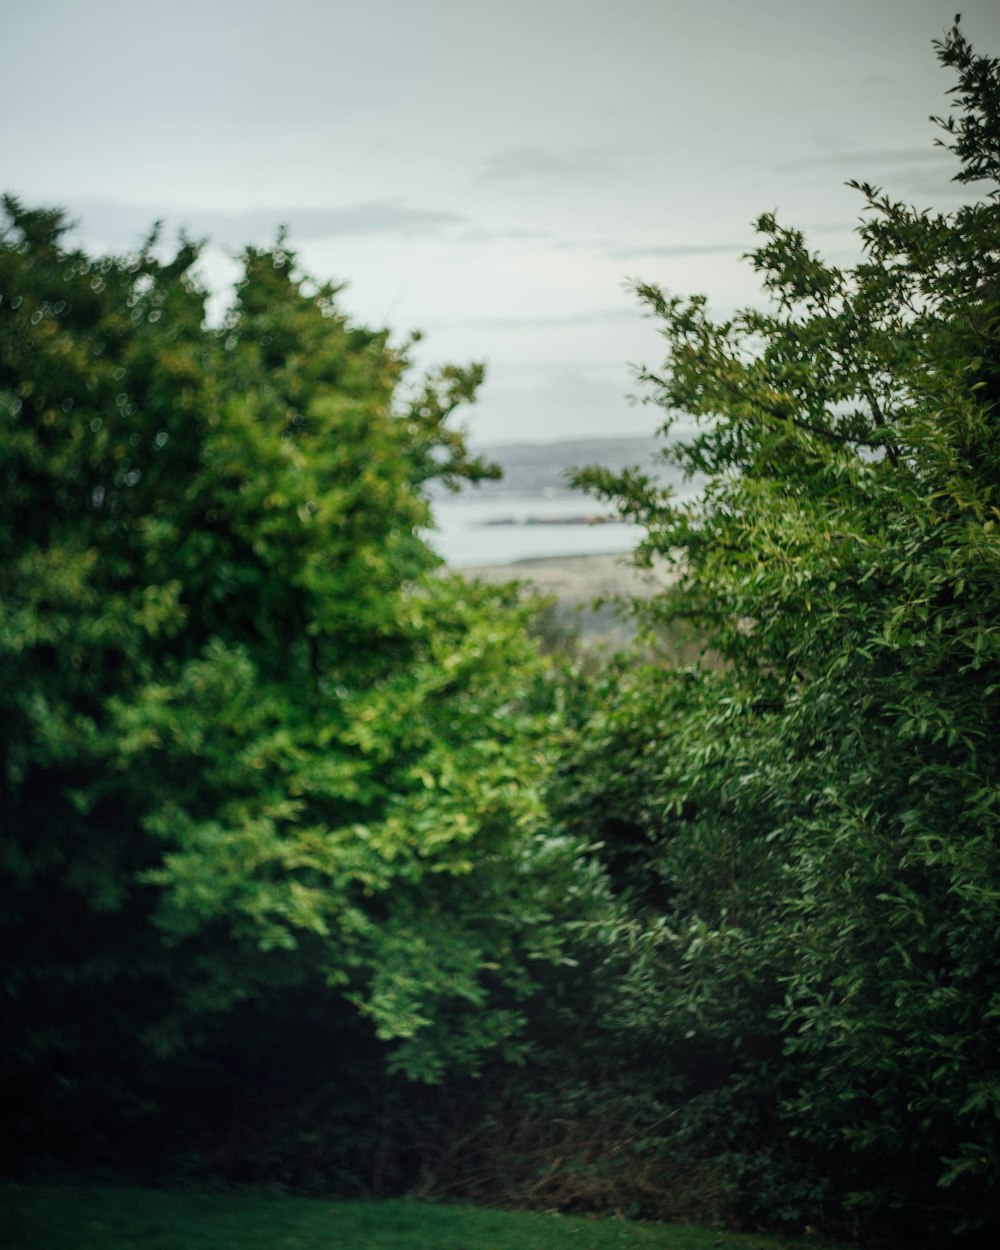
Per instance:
{"type": "Point", "coordinates": [258, 753]}
{"type": "Point", "coordinates": [807, 826]}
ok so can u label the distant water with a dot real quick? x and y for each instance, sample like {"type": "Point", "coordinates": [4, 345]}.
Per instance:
{"type": "Point", "coordinates": [467, 532]}
{"type": "Point", "coordinates": [534, 484]}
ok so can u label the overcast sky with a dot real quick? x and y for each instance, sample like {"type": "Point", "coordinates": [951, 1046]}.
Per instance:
{"type": "Point", "coordinates": [492, 172]}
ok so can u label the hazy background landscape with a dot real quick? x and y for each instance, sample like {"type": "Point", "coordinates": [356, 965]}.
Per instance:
{"type": "Point", "coordinates": [534, 511]}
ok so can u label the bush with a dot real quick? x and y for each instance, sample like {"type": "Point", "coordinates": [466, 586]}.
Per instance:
{"type": "Point", "coordinates": [808, 828]}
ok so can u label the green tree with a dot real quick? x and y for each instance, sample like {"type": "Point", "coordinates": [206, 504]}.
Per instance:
{"type": "Point", "coordinates": [810, 827]}
{"type": "Point", "coordinates": [255, 745]}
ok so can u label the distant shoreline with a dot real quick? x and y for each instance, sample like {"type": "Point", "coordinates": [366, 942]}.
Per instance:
{"type": "Point", "coordinates": [576, 579]}
{"type": "Point", "coordinates": [572, 519]}
{"type": "Point", "coordinates": [580, 556]}
{"type": "Point", "coordinates": [574, 582]}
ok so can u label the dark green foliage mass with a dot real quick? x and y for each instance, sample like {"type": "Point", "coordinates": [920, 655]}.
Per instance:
{"type": "Point", "coordinates": [807, 828]}
{"type": "Point", "coordinates": [257, 752]}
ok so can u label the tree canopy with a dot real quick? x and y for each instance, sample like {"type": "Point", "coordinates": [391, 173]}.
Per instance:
{"type": "Point", "coordinates": [811, 818]}
{"type": "Point", "coordinates": [254, 741]}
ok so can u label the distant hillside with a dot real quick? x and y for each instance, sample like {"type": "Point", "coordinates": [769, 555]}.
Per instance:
{"type": "Point", "coordinates": [537, 468]}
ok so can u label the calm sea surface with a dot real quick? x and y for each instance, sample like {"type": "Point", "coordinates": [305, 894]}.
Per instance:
{"type": "Point", "coordinates": [473, 530]}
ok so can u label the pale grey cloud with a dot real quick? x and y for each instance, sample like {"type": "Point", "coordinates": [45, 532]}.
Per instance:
{"type": "Point", "coordinates": [902, 172]}
{"type": "Point", "coordinates": [379, 217]}
{"type": "Point", "coordinates": [522, 162]}
{"type": "Point", "coordinates": [894, 157]}
{"type": "Point", "coordinates": [536, 162]}
{"type": "Point", "coordinates": [481, 235]}
{"type": "Point", "coordinates": [582, 245]}
{"type": "Point", "coordinates": [671, 250]}
{"type": "Point", "coordinates": [595, 316]}
{"type": "Point", "coordinates": [908, 173]}
{"type": "Point", "coordinates": [122, 223]}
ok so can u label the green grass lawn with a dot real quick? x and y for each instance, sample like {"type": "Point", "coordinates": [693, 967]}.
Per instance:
{"type": "Point", "coordinates": [65, 1217]}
